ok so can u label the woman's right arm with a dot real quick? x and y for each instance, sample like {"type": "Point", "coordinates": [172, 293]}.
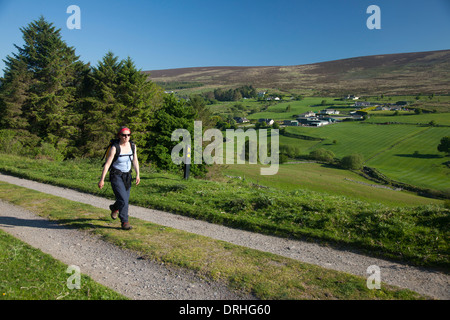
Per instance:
{"type": "Point", "coordinates": [108, 162]}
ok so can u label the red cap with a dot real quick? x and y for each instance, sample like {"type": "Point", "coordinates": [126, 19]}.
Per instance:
{"type": "Point", "coordinates": [123, 129]}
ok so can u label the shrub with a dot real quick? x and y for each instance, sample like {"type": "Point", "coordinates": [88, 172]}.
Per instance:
{"type": "Point", "coordinates": [48, 151]}
{"type": "Point", "coordinates": [353, 162]}
{"type": "Point", "coordinates": [447, 204]}
{"type": "Point", "coordinates": [235, 205]}
{"type": "Point", "coordinates": [263, 202]}
{"type": "Point", "coordinates": [290, 151]}
{"type": "Point", "coordinates": [322, 154]}
{"type": "Point", "coordinates": [18, 142]}
{"type": "Point", "coordinates": [444, 145]}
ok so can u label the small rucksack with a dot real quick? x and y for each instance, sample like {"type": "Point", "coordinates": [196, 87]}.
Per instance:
{"type": "Point", "coordinates": [115, 143]}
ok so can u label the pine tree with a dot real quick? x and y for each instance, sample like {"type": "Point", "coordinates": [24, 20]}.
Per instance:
{"type": "Point", "coordinates": [120, 95]}
{"type": "Point", "coordinates": [140, 99]}
{"type": "Point", "coordinates": [43, 78]}
{"type": "Point", "coordinates": [100, 107]}
{"type": "Point", "coordinates": [13, 93]}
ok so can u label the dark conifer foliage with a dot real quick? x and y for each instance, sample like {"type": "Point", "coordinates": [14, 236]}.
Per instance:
{"type": "Point", "coordinates": [40, 86]}
{"type": "Point", "coordinates": [54, 99]}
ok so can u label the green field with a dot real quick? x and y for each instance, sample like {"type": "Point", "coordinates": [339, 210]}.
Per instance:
{"type": "Point", "coordinates": [404, 150]}
{"type": "Point", "coordinates": [441, 119]}
{"type": "Point", "coordinates": [278, 111]}
{"type": "Point", "coordinates": [354, 137]}
{"type": "Point", "coordinates": [406, 153]}
{"type": "Point", "coordinates": [440, 103]}
{"type": "Point", "coordinates": [415, 160]}
{"type": "Point", "coordinates": [323, 178]}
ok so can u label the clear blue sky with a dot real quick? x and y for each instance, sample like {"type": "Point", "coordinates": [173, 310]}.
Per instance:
{"type": "Point", "coordinates": [163, 34]}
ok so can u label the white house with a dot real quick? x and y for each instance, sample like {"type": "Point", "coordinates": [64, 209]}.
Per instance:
{"type": "Point", "coordinates": [329, 111]}
{"type": "Point", "coordinates": [261, 94]}
{"type": "Point", "coordinates": [241, 120]}
{"type": "Point", "coordinates": [267, 121]}
{"type": "Point", "coordinates": [307, 114]}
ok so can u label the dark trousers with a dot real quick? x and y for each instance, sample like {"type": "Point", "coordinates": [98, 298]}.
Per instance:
{"type": "Point", "coordinates": [122, 196]}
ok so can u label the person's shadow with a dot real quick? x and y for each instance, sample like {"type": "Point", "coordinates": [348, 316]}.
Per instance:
{"type": "Point", "coordinates": [6, 221]}
{"type": "Point", "coordinates": [9, 222]}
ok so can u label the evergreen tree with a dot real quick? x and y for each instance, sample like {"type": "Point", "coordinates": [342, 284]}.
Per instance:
{"type": "Point", "coordinates": [140, 99]}
{"type": "Point", "coordinates": [203, 113]}
{"type": "Point", "coordinates": [444, 145]}
{"type": "Point", "coordinates": [119, 95]}
{"type": "Point", "coordinates": [13, 93]}
{"type": "Point", "coordinates": [40, 86]}
{"type": "Point", "coordinates": [172, 115]}
{"type": "Point", "coordinates": [100, 107]}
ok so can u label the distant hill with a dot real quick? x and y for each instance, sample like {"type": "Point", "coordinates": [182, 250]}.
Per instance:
{"type": "Point", "coordinates": [393, 74]}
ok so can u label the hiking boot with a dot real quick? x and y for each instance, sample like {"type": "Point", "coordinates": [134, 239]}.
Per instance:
{"type": "Point", "coordinates": [126, 226]}
{"type": "Point", "coordinates": [114, 213]}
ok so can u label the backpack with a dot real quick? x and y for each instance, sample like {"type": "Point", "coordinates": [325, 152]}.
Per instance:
{"type": "Point", "coordinates": [115, 143]}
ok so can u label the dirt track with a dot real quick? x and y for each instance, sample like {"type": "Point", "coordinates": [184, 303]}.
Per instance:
{"type": "Point", "coordinates": [167, 284]}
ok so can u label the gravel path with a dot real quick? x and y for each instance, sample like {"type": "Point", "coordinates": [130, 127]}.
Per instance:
{"type": "Point", "coordinates": [121, 270]}
{"type": "Point", "coordinates": [425, 281]}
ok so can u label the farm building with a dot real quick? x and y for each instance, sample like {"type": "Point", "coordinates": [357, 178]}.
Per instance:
{"type": "Point", "coordinates": [290, 122]}
{"type": "Point", "coordinates": [267, 121]}
{"type": "Point", "coordinates": [312, 122]}
{"type": "Point", "coordinates": [241, 120]}
{"type": "Point", "coordinates": [350, 97]}
{"type": "Point", "coordinates": [330, 120]}
{"type": "Point", "coordinates": [317, 123]}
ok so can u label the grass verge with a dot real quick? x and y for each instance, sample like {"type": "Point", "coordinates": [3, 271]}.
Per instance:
{"type": "Point", "coordinates": [29, 274]}
{"type": "Point", "coordinates": [265, 275]}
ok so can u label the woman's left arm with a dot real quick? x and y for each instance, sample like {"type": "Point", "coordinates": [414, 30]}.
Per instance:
{"type": "Point", "coordinates": [136, 165]}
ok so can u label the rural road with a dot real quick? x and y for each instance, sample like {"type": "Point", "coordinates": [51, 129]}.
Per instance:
{"type": "Point", "coordinates": [175, 286]}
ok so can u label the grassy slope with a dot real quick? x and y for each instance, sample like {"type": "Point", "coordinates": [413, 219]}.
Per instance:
{"type": "Point", "coordinates": [389, 148]}
{"type": "Point", "coordinates": [265, 275]}
{"type": "Point", "coordinates": [415, 160]}
{"type": "Point", "coordinates": [322, 178]}
{"type": "Point", "coordinates": [409, 118]}
{"type": "Point", "coordinates": [416, 234]}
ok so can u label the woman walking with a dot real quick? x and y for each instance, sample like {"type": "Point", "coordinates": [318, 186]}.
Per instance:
{"type": "Point", "coordinates": [120, 159]}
